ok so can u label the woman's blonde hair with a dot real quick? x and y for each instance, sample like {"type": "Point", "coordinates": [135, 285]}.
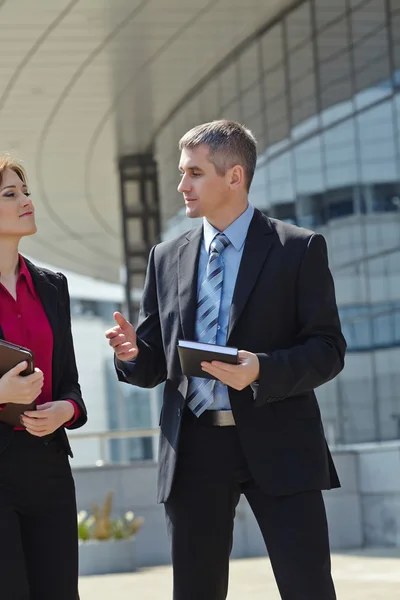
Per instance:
{"type": "Point", "coordinates": [8, 162]}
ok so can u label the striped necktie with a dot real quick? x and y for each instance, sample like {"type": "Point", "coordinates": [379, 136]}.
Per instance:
{"type": "Point", "coordinates": [201, 391]}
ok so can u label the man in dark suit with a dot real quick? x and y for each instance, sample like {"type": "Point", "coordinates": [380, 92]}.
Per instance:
{"type": "Point", "coordinates": [240, 279]}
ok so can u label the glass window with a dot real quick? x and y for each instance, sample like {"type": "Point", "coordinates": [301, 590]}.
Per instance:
{"type": "Point", "coordinates": [308, 166]}
{"type": "Point", "coordinates": [228, 84]}
{"type": "Point", "coordinates": [377, 144]}
{"type": "Point", "coordinates": [326, 11]}
{"type": "Point", "coordinates": [249, 62]}
{"type": "Point", "coordinates": [339, 147]}
{"type": "Point", "coordinates": [333, 40]}
{"type": "Point", "coordinates": [274, 85]}
{"type": "Point", "coordinates": [280, 177]}
{"type": "Point", "coordinates": [272, 47]}
{"type": "Point", "coordinates": [303, 98]}
{"type": "Point", "coordinates": [298, 25]}
{"type": "Point", "coordinates": [301, 62]}
{"type": "Point", "coordinates": [336, 88]}
{"type": "Point", "coordinates": [277, 121]}
{"type": "Point", "coordinates": [367, 18]}
{"type": "Point", "coordinates": [251, 102]}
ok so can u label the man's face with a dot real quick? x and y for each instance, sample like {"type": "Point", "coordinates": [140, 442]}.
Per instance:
{"type": "Point", "coordinates": [206, 193]}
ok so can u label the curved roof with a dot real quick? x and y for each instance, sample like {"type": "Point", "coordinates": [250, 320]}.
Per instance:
{"type": "Point", "coordinates": [83, 82]}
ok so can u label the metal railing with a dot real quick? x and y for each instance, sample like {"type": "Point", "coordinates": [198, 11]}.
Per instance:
{"type": "Point", "coordinates": [104, 436]}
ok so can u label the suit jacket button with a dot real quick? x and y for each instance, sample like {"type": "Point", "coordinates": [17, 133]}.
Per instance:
{"type": "Point", "coordinates": [179, 412]}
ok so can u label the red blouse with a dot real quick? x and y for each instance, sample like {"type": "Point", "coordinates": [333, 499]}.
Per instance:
{"type": "Point", "coordinates": [24, 322]}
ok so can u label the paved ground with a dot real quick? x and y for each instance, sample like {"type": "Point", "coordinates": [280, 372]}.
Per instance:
{"type": "Point", "coordinates": [372, 575]}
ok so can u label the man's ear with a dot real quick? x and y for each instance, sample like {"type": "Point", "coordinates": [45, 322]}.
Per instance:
{"type": "Point", "coordinates": [236, 179]}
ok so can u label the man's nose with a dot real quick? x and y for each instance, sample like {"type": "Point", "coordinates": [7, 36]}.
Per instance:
{"type": "Point", "coordinates": [184, 185]}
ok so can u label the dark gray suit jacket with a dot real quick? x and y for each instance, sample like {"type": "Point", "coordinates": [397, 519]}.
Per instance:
{"type": "Point", "coordinates": [284, 310]}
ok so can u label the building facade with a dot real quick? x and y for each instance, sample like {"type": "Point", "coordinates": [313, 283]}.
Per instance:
{"type": "Point", "coordinates": [319, 88]}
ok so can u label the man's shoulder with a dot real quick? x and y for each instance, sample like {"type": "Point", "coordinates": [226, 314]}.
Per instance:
{"type": "Point", "coordinates": [289, 232]}
{"type": "Point", "coordinates": [166, 246]}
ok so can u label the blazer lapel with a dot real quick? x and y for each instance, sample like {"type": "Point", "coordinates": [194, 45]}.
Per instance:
{"type": "Point", "coordinates": [48, 295]}
{"type": "Point", "coordinates": [259, 241]}
{"type": "Point", "coordinates": [188, 264]}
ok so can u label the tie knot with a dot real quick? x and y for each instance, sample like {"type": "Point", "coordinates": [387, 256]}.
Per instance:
{"type": "Point", "coordinates": [219, 243]}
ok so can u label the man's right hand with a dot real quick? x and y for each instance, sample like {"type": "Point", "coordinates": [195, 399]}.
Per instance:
{"type": "Point", "coordinates": [122, 338]}
{"type": "Point", "coordinates": [15, 389]}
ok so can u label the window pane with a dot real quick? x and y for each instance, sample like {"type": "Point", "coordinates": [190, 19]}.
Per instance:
{"type": "Point", "coordinates": [367, 18]}
{"type": "Point", "coordinates": [301, 62]}
{"type": "Point", "coordinates": [332, 40]}
{"type": "Point", "coordinates": [377, 144]}
{"type": "Point", "coordinates": [251, 102]}
{"type": "Point", "coordinates": [272, 47]}
{"type": "Point", "coordinates": [335, 80]}
{"type": "Point", "coordinates": [308, 165]}
{"type": "Point", "coordinates": [339, 145]}
{"type": "Point", "coordinates": [274, 85]}
{"type": "Point", "coordinates": [229, 84]}
{"type": "Point", "coordinates": [298, 25]}
{"type": "Point", "coordinates": [248, 67]}
{"type": "Point", "coordinates": [327, 10]}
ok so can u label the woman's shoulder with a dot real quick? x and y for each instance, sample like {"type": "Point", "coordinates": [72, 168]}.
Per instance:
{"type": "Point", "coordinates": [54, 277]}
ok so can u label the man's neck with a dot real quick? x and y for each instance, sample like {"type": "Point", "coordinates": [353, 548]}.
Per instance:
{"type": "Point", "coordinates": [222, 222]}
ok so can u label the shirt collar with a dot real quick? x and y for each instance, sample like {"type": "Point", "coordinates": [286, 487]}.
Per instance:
{"type": "Point", "coordinates": [24, 273]}
{"type": "Point", "coordinates": [236, 232]}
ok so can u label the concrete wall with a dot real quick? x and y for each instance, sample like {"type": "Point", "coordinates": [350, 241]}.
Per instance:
{"type": "Point", "coordinates": [134, 488]}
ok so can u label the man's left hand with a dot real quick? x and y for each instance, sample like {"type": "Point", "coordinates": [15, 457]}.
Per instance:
{"type": "Point", "coordinates": [47, 417]}
{"type": "Point", "coordinates": [236, 376]}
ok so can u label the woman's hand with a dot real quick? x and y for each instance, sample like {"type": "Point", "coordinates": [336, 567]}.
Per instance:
{"type": "Point", "coordinates": [16, 389]}
{"type": "Point", "coordinates": [47, 417]}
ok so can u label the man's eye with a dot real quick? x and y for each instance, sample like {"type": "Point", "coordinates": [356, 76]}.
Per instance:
{"type": "Point", "coordinates": [196, 174]}
{"type": "Point", "coordinates": [27, 194]}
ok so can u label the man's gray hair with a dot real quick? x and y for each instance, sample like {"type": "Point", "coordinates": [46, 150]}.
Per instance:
{"type": "Point", "coordinates": [230, 144]}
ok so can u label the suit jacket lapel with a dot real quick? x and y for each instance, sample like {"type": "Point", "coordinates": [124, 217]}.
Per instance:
{"type": "Point", "coordinates": [48, 295]}
{"type": "Point", "coordinates": [259, 241]}
{"type": "Point", "coordinates": [188, 263]}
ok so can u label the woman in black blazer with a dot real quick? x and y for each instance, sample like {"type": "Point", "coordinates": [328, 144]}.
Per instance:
{"type": "Point", "coordinates": [38, 521]}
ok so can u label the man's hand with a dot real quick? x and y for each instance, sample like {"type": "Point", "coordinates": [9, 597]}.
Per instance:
{"type": "Point", "coordinates": [16, 389]}
{"type": "Point", "coordinates": [122, 338]}
{"type": "Point", "coordinates": [47, 417]}
{"type": "Point", "coordinates": [236, 376]}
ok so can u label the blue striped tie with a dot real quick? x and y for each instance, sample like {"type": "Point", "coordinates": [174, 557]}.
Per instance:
{"type": "Point", "coordinates": [201, 391]}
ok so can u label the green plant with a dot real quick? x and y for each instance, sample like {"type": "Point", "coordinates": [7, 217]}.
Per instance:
{"type": "Point", "coordinates": [100, 526]}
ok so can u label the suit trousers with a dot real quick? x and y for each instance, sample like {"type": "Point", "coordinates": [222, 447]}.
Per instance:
{"type": "Point", "coordinates": [211, 475]}
{"type": "Point", "coordinates": [38, 521]}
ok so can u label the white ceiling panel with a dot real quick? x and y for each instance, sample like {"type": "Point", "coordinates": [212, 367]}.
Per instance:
{"type": "Point", "coordinates": [84, 81]}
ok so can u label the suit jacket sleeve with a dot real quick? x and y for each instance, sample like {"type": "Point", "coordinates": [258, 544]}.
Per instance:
{"type": "Point", "coordinates": [149, 368]}
{"type": "Point", "coordinates": [69, 384]}
{"type": "Point", "coordinates": [318, 355]}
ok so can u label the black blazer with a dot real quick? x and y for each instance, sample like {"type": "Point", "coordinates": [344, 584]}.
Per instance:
{"type": "Point", "coordinates": [52, 289]}
{"type": "Point", "coordinates": [284, 310]}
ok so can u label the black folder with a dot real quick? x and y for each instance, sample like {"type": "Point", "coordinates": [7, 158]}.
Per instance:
{"type": "Point", "coordinates": [10, 356]}
{"type": "Point", "coordinates": [192, 354]}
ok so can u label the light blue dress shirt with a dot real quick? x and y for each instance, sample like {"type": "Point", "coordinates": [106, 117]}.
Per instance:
{"type": "Point", "coordinates": [232, 255]}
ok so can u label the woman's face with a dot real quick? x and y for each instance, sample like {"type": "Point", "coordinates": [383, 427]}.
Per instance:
{"type": "Point", "coordinates": [17, 215]}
